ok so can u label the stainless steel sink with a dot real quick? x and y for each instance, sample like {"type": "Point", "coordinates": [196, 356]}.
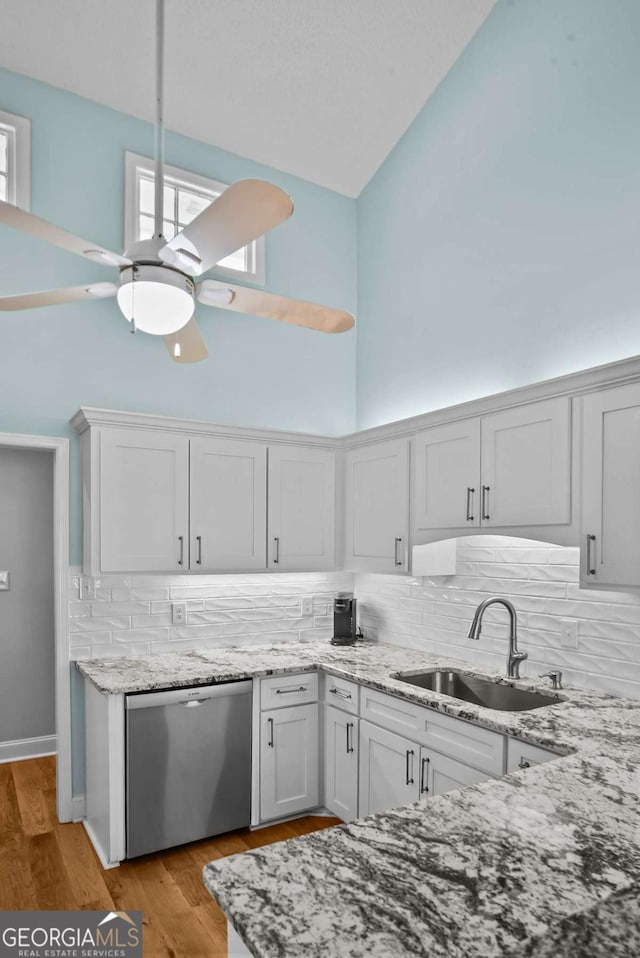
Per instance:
{"type": "Point", "coordinates": [483, 692]}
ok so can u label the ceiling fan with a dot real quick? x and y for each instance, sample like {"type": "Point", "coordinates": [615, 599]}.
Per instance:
{"type": "Point", "coordinates": [156, 291]}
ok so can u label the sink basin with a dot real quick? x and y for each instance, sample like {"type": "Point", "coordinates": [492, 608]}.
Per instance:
{"type": "Point", "coordinates": [483, 692]}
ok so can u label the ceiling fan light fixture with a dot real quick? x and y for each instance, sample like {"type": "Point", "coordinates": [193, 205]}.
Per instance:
{"type": "Point", "coordinates": [159, 300]}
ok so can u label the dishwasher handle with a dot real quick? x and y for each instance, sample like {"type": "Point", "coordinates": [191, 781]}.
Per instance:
{"type": "Point", "coordinates": [196, 695]}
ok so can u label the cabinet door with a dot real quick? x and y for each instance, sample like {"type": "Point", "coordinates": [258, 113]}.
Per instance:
{"type": "Point", "coordinates": [377, 511]}
{"type": "Point", "coordinates": [439, 774]}
{"type": "Point", "coordinates": [522, 755]}
{"type": "Point", "coordinates": [526, 465]}
{"type": "Point", "coordinates": [144, 501]}
{"type": "Point", "coordinates": [447, 476]}
{"type": "Point", "coordinates": [302, 519]}
{"type": "Point", "coordinates": [228, 505]}
{"type": "Point", "coordinates": [610, 484]}
{"type": "Point", "coordinates": [288, 761]}
{"type": "Point", "coordinates": [389, 770]}
{"type": "Point", "coordinates": [341, 763]}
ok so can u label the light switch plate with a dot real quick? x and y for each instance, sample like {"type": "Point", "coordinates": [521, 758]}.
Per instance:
{"type": "Point", "coordinates": [4, 581]}
{"type": "Point", "coordinates": [569, 633]}
{"type": "Point", "coordinates": [87, 588]}
{"type": "Point", "coordinates": [307, 605]}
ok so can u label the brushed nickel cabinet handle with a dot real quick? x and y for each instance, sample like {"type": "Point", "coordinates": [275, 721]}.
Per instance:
{"type": "Point", "coordinates": [470, 492]}
{"type": "Point", "coordinates": [301, 688]}
{"type": "Point", "coordinates": [590, 566]}
{"type": "Point", "coordinates": [340, 693]}
{"type": "Point", "coordinates": [276, 550]}
{"type": "Point", "coordinates": [485, 498]}
{"type": "Point", "coordinates": [199, 541]}
{"type": "Point", "coordinates": [181, 541]}
{"type": "Point", "coordinates": [270, 742]}
{"type": "Point", "coordinates": [423, 768]}
{"type": "Point", "coordinates": [409, 775]}
{"type": "Point", "coordinates": [395, 554]}
{"type": "Point", "coordinates": [349, 746]}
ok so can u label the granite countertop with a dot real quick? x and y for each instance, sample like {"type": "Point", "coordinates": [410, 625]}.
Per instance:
{"type": "Point", "coordinates": [543, 862]}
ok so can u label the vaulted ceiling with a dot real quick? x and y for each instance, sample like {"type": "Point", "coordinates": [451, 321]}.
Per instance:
{"type": "Point", "coordinates": [322, 89]}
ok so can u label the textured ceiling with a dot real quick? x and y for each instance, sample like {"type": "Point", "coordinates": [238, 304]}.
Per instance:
{"type": "Point", "coordinates": [319, 88]}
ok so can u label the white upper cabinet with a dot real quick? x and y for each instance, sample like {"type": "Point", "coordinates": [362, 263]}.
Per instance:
{"type": "Point", "coordinates": [301, 508]}
{"type": "Point", "coordinates": [377, 507]}
{"type": "Point", "coordinates": [610, 543]}
{"type": "Point", "coordinates": [228, 505]}
{"type": "Point", "coordinates": [526, 465]}
{"type": "Point", "coordinates": [447, 476]}
{"type": "Point", "coordinates": [143, 501]}
{"type": "Point", "coordinates": [511, 469]}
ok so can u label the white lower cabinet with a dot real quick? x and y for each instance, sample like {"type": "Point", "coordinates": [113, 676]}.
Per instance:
{"type": "Point", "coordinates": [521, 755]}
{"type": "Point", "coordinates": [440, 774]}
{"type": "Point", "coordinates": [389, 769]}
{"type": "Point", "coordinates": [288, 761]}
{"type": "Point", "coordinates": [341, 748]}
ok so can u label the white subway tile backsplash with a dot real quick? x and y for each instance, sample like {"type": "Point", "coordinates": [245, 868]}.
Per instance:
{"type": "Point", "coordinates": [132, 614]}
{"type": "Point", "coordinates": [542, 582]}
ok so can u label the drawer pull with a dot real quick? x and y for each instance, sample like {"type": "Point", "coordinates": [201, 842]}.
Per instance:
{"type": "Point", "coordinates": [270, 742]}
{"type": "Point", "coordinates": [349, 745]}
{"type": "Point", "coordinates": [340, 693]}
{"type": "Point", "coordinates": [301, 688]}
{"type": "Point", "coordinates": [423, 783]}
{"type": "Point", "coordinates": [409, 776]}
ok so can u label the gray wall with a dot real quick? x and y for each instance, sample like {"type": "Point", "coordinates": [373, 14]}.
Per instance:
{"type": "Point", "coordinates": [27, 673]}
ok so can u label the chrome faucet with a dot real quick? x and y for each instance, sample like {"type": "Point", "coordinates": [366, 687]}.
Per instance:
{"type": "Point", "coordinates": [514, 658]}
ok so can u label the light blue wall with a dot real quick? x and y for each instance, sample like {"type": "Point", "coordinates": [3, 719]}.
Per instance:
{"type": "Point", "coordinates": [499, 244]}
{"type": "Point", "coordinates": [260, 373]}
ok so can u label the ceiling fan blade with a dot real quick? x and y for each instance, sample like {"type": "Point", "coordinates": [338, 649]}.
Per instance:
{"type": "Point", "coordinates": [19, 219]}
{"type": "Point", "coordinates": [257, 302]}
{"type": "Point", "coordinates": [241, 214]}
{"type": "Point", "coordinates": [187, 345]}
{"type": "Point", "coordinates": [55, 297]}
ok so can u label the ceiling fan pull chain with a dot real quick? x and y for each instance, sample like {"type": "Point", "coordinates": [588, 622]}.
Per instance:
{"type": "Point", "coordinates": [159, 131]}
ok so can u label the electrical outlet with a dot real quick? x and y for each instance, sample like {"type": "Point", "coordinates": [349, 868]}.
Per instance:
{"type": "Point", "coordinates": [87, 588]}
{"type": "Point", "coordinates": [179, 613]}
{"type": "Point", "coordinates": [569, 633]}
{"type": "Point", "coordinates": [307, 605]}
{"type": "Point", "coordinates": [4, 581]}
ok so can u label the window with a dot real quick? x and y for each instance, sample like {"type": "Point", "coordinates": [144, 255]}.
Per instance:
{"type": "Point", "coordinates": [185, 196]}
{"type": "Point", "coordinates": [15, 160]}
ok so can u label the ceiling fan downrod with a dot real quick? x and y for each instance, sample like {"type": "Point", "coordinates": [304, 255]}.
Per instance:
{"type": "Point", "coordinates": [159, 127]}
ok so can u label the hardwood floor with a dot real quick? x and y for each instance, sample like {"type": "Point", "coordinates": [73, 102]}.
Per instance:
{"type": "Point", "coordinates": [48, 866]}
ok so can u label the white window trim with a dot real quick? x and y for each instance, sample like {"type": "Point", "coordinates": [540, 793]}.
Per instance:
{"type": "Point", "coordinates": [134, 162]}
{"type": "Point", "coordinates": [19, 158]}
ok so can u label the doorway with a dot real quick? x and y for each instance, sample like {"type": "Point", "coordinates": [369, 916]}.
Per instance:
{"type": "Point", "coordinates": [34, 551]}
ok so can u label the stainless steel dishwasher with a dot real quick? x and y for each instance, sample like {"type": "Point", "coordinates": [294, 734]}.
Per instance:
{"type": "Point", "coordinates": [188, 764]}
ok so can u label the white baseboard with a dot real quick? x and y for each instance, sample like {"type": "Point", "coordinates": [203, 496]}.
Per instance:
{"type": "Point", "coordinates": [78, 808]}
{"type": "Point", "coordinates": [27, 748]}
{"type": "Point", "coordinates": [104, 861]}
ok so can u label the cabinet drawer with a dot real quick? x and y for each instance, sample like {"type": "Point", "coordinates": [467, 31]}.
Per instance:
{"type": "Point", "coordinates": [524, 755]}
{"type": "Point", "coordinates": [285, 690]}
{"type": "Point", "coordinates": [463, 741]}
{"type": "Point", "coordinates": [340, 693]}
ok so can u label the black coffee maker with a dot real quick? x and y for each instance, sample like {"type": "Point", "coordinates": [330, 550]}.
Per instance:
{"type": "Point", "coordinates": [344, 619]}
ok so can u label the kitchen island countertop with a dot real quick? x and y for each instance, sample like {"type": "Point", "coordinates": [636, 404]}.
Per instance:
{"type": "Point", "coordinates": [544, 861]}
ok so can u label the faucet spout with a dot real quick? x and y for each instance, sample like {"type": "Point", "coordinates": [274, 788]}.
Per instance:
{"type": "Point", "coordinates": [515, 657]}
